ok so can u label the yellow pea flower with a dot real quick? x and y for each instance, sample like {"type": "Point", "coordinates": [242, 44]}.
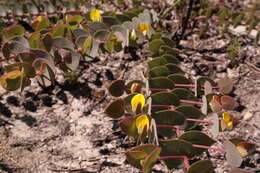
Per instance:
{"type": "Point", "coordinates": [133, 35]}
{"type": "Point", "coordinates": [135, 87]}
{"type": "Point", "coordinates": [144, 28]}
{"type": "Point", "coordinates": [136, 101]}
{"type": "Point", "coordinates": [39, 18]}
{"type": "Point", "coordinates": [228, 119]}
{"type": "Point", "coordinates": [95, 15]}
{"type": "Point", "coordinates": [142, 122]}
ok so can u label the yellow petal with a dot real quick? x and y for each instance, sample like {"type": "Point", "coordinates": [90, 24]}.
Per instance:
{"type": "Point", "coordinates": [144, 28]}
{"type": "Point", "coordinates": [226, 117]}
{"type": "Point", "coordinates": [95, 15]}
{"type": "Point", "coordinates": [133, 35]}
{"type": "Point", "coordinates": [142, 122]}
{"type": "Point", "coordinates": [243, 152]}
{"type": "Point", "coordinates": [135, 87]}
{"type": "Point", "coordinates": [39, 18]}
{"type": "Point", "coordinates": [137, 100]}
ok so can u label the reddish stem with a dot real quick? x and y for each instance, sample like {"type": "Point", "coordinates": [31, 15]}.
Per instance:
{"type": "Point", "coordinates": [184, 158]}
{"type": "Point", "coordinates": [209, 148]}
{"type": "Point", "coordinates": [201, 121]}
{"type": "Point", "coordinates": [191, 102]}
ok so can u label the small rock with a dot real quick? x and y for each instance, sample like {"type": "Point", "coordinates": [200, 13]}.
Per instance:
{"type": "Point", "coordinates": [247, 116]}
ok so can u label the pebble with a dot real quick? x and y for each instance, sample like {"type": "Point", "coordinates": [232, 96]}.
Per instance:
{"type": "Point", "coordinates": [247, 116]}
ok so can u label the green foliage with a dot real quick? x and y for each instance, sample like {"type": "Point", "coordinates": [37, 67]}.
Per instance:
{"type": "Point", "coordinates": [174, 109]}
{"type": "Point", "coordinates": [62, 43]}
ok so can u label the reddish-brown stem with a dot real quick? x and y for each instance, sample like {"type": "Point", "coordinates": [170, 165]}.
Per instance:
{"type": "Point", "coordinates": [171, 107]}
{"type": "Point", "coordinates": [201, 121]}
{"type": "Point", "coordinates": [191, 102]}
{"type": "Point", "coordinates": [209, 148]}
{"type": "Point", "coordinates": [184, 158]}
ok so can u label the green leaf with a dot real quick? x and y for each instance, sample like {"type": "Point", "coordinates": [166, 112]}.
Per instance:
{"type": "Point", "coordinates": [73, 21]}
{"type": "Point", "coordinates": [155, 62]}
{"type": "Point", "coordinates": [109, 20]}
{"type": "Point", "coordinates": [164, 49]}
{"type": "Point", "coordinates": [155, 44]}
{"type": "Point", "coordinates": [174, 68]}
{"type": "Point", "coordinates": [117, 88]}
{"type": "Point", "coordinates": [47, 41]}
{"type": "Point", "coordinates": [128, 126]}
{"type": "Point", "coordinates": [171, 59]}
{"type": "Point", "coordinates": [115, 109]}
{"type": "Point", "coordinates": [190, 112]}
{"type": "Point", "coordinates": [184, 94]}
{"type": "Point", "coordinates": [165, 98]}
{"type": "Point", "coordinates": [12, 80]}
{"type": "Point", "coordinates": [151, 160]}
{"type": "Point", "coordinates": [61, 42]}
{"type": "Point", "coordinates": [175, 147]}
{"type": "Point", "coordinates": [168, 117]}
{"type": "Point", "coordinates": [179, 79]}
{"type": "Point", "coordinates": [14, 30]}
{"type": "Point", "coordinates": [161, 82]}
{"type": "Point", "coordinates": [59, 30]}
{"type": "Point", "coordinates": [34, 40]}
{"type": "Point", "coordinates": [159, 71]}
{"type": "Point", "coordinates": [136, 154]}
{"type": "Point", "coordinates": [198, 138]}
{"type": "Point", "coordinates": [27, 68]}
{"type": "Point", "coordinates": [101, 35]}
{"type": "Point", "coordinates": [202, 166]}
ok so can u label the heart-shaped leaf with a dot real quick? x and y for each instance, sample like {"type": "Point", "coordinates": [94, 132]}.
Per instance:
{"type": "Point", "coordinates": [155, 44]}
{"type": "Point", "coordinates": [175, 147]}
{"type": "Point", "coordinates": [202, 166]}
{"type": "Point", "coordinates": [12, 80]}
{"type": "Point", "coordinates": [128, 126]}
{"type": "Point", "coordinates": [14, 30]}
{"type": "Point", "coordinates": [139, 153]}
{"type": "Point", "coordinates": [151, 160]}
{"type": "Point", "coordinates": [117, 88]}
{"type": "Point", "coordinates": [226, 85]}
{"type": "Point", "coordinates": [161, 82]}
{"type": "Point", "coordinates": [228, 103]}
{"type": "Point", "coordinates": [190, 112]}
{"type": "Point", "coordinates": [115, 109]}
{"type": "Point", "coordinates": [159, 71]}
{"type": "Point", "coordinates": [179, 79]}
{"type": "Point", "coordinates": [165, 98]}
{"type": "Point", "coordinates": [168, 117]}
{"type": "Point", "coordinates": [232, 154]}
{"type": "Point", "coordinates": [198, 138]}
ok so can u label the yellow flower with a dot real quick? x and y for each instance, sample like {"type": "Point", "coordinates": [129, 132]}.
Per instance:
{"type": "Point", "coordinates": [39, 18]}
{"type": "Point", "coordinates": [137, 101]}
{"type": "Point", "coordinates": [133, 35]}
{"type": "Point", "coordinates": [144, 28]}
{"type": "Point", "coordinates": [228, 119]}
{"type": "Point", "coordinates": [142, 122]}
{"type": "Point", "coordinates": [135, 87]}
{"type": "Point", "coordinates": [95, 15]}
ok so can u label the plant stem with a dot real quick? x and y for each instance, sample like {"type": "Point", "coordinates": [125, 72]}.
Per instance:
{"type": "Point", "coordinates": [201, 121]}
{"type": "Point", "coordinates": [209, 148]}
